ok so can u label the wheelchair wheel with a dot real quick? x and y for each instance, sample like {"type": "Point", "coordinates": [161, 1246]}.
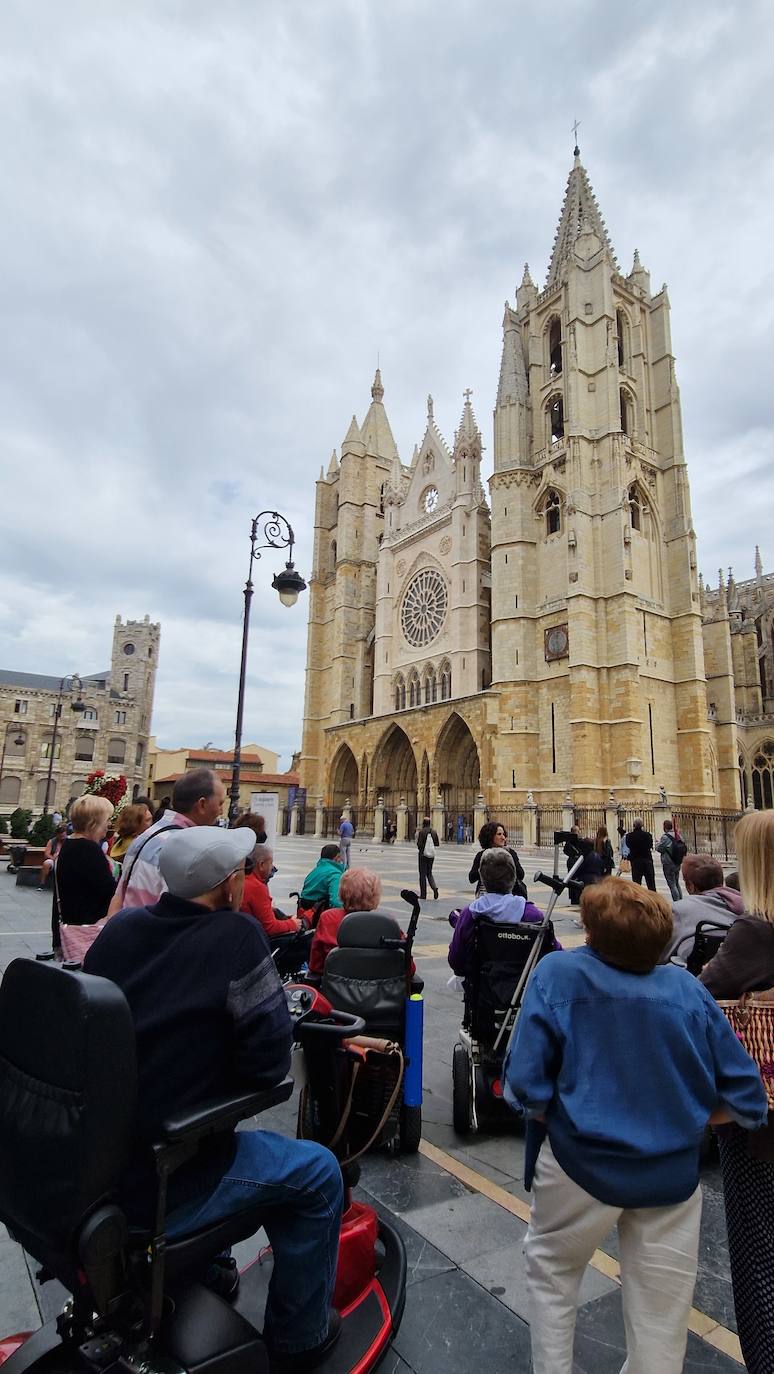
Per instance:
{"type": "Point", "coordinates": [462, 1104]}
{"type": "Point", "coordinates": [410, 1129]}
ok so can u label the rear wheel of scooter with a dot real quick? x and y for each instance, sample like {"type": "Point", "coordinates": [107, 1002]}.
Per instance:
{"type": "Point", "coordinates": [410, 1129]}
{"type": "Point", "coordinates": [462, 1107]}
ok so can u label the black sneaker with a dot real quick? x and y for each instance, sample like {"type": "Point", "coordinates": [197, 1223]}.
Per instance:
{"type": "Point", "coordinates": [299, 1361]}
{"type": "Point", "coordinates": [222, 1277]}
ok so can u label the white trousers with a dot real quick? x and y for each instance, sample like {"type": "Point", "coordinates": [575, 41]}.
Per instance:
{"type": "Point", "coordinates": [658, 1256]}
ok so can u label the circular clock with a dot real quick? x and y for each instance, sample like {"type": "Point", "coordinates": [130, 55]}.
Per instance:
{"type": "Point", "coordinates": [557, 642]}
{"type": "Point", "coordinates": [430, 499]}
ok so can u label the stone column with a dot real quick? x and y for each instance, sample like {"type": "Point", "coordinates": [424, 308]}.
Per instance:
{"type": "Point", "coordinates": [661, 813]}
{"type": "Point", "coordinates": [402, 821]}
{"type": "Point", "coordinates": [529, 823]}
{"type": "Point", "coordinates": [379, 820]}
{"type": "Point", "coordinates": [611, 819]}
{"type": "Point", "coordinates": [436, 818]}
{"type": "Point", "coordinates": [480, 814]}
{"type": "Point", "coordinates": [295, 819]}
{"type": "Point", "coordinates": [346, 809]}
{"type": "Point", "coordinates": [568, 815]}
{"type": "Point", "coordinates": [319, 819]}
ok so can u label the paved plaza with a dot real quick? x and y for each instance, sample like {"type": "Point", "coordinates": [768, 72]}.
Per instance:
{"type": "Point", "coordinates": [460, 1205]}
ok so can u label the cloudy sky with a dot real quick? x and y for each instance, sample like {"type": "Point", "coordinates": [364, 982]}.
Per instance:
{"type": "Point", "coordinates": [215, 213]}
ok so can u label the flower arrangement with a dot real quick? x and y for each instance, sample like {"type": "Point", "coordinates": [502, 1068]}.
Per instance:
{"type": "Point", "coordinates": [110, 785]}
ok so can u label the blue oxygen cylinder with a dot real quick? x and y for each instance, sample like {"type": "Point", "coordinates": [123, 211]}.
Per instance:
{"type": "Point", "coordinates": [412, 1078]}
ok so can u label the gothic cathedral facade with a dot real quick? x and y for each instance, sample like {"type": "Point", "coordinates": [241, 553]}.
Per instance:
{"type": "Point", "coordinates": [558, 639]}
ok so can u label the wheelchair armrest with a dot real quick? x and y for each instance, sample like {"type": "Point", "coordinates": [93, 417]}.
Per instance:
{"type": "Point", "coordinates": [221, 1114]}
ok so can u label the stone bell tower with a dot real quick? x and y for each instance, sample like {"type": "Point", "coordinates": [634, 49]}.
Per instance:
{"type": "Point", "coordinates": [596, 621]}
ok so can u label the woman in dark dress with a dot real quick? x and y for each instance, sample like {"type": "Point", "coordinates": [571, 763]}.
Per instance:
{"type": "Point", "coordinates": [493, 835]}
{"type": "Point", "coordinates": [84, 882]}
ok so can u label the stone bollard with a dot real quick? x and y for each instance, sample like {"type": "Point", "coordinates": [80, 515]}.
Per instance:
{"type": "Point", "coordinates": [379, 821]}
{"type": "Point", "coordinates": [568, 814]}
{"type": "Point", "coordinates": [529, 825]}
{"type": "Point", "coordinates": [480, 814]}
{"type": "Point", "coordinates": [402, 822]}
{"type": "Point", "coordinates": [295, 819]}
{"type": "Point", "coordinates": [319, 820]}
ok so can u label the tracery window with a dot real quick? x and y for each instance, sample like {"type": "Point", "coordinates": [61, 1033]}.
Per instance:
{"type": "Point", "coordinates": [637, 507]}
{"type": "Point", "coordinates": [423, 611]}
{"type": "Point", "coordinates": [555, 411]}
{"type": "Point", "coordinates": [763, 777]}
{"type": "Point", "coordinates": [555, 348]}
{"type": "Point", "coordinates": [445, 682]}
{"type": "Point", "coordinates": [552, 510]}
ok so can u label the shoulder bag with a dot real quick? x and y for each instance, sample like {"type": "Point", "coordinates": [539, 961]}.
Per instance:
{"type": "Point", "coordinates": [751, 1017]}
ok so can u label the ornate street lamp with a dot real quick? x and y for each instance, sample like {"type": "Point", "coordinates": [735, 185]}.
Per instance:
{"type": "Point", "coordinates": [75, 686]}
{"type": "Point", "coordinates": [278, 534]}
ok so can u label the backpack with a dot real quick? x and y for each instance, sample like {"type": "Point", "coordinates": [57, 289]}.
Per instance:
{"type": "Point", "coordinates": [428, 848]}
{"type": "Point", "coordinates": [679, 851]}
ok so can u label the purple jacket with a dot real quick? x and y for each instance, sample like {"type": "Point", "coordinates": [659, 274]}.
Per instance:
{"type": "Point", "coordinates": [505, 909]}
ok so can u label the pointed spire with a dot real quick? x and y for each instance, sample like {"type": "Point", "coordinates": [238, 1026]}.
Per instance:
{"type": "Point", "coordinates": [580, 214]}
{"type": "Point", "coordinates": [468, 433]}
{"type": "Point", "coordinates": [513, 372]}
{"type": "Point", "coordinates": [430, 420]}
{"type": "Point", "coordinates": [527, 278]}
{"type": "Point", "coordinates": [375, 430]}
{"type": "Point", "coordinates": [322, 473]}
{"type": "Point", "coordinates": [353, 433]}
{"type": "Point", "coordinates": [333, 465]}
{"type": "Point", "coordinates": [758, 564]}
{"type": "Point", "coordinates": [721, 583]}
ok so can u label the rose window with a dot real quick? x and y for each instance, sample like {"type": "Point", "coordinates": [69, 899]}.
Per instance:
{"type": "Point", "coordinates": [424, 608]}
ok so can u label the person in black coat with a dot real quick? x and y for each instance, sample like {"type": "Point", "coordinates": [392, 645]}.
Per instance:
{"type": "Point", "coordinates": [83, 875]}
{"type": "Point", "coordinates": [426, 857]}
{"type": "Point", "coordinates": [493, 835]}
{"type": "Point", "coordinates": [640, 842]}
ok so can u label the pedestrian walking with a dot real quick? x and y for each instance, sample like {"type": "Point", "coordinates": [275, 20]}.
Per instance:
{"type": "Point", "coordinates": [640, 845]}
{"type": "Point", "coordinates": [427, 844]}
{"type": "Point", "coordinates": [672, 851]}
{"type": "Point", "coordinates": [346, 831]}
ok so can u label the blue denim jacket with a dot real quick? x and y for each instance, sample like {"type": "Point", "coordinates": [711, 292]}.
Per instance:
{"type": "Point", "coordinates": [626, 1068]}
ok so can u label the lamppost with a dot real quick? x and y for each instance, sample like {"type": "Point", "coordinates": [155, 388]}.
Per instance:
{"type": "Point", "coordinates": [278, 534]}
{"type": "Point", "coordinates": [75, 686]}
{"type": "Point", "coordinates": [19, 741]}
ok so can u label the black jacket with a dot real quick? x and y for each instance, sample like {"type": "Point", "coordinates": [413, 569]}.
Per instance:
{"type": "Point", "coordinates": [422, 836]}
{"type": "Point", "coordinates": [84, 882]}
{"type": "Point", "coordinates": [640, 844]}
{"type": "Point", "coordinates": [210, 1017]}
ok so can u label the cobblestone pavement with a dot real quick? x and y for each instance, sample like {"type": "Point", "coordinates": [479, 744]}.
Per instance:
{"type": "Point", "coordinates": [459, 1204]}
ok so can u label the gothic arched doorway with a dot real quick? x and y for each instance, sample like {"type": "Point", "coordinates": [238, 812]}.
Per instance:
{"type": "Point", "coordinates": [458, 771]}
{"type": "Point", "coordinates": [394, 773]}
{"type": "Point", "coordinates": [343, 778]}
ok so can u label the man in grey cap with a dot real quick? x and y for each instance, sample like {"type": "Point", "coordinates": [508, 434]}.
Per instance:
{"type": "Point", "coordinates": [210, 1017]}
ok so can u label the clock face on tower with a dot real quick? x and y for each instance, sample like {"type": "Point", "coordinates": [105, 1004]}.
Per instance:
{"type": "Point", "coordinates": [557, 642]}
{"type": "Point", "coordinates": [430, 499]}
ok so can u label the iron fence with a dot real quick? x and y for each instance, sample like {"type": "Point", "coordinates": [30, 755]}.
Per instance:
{"type": "Point", "coordinates": [549, 819]}
{"type": "Point", "coordinates": [708, 832]}
{"type": "Point", "coordinates": [458, 824]}
{"type": "Point", "coordinates": [512, 817]}
{"type": "Point", "coordinates": [588, 819]}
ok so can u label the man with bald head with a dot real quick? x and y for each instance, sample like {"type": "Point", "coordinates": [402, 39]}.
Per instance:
{"type": "Point", "coordinates": [210, 1019]}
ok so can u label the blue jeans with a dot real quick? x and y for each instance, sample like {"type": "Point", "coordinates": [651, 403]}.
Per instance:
{"type": "Point", "coordinates": [300, 1184]}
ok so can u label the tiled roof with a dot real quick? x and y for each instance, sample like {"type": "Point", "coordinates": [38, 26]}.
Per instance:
{"type": "Point", "coordinates": [246, 775]}
{"type": "Point", "coordinates": [43, 682]}
{"type": "Point", "coordinates": [216, 756]}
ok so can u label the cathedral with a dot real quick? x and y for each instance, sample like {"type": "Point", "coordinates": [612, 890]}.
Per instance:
{"type": "Point", "coordinates": [556, 640]}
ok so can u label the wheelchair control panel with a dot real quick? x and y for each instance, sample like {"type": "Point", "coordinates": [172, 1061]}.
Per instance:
{"type": "Point", "coordinates": [310, 1010]}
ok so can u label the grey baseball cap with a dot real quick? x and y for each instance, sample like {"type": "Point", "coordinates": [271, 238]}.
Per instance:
{"type": "Point", "coordinates": [197, 859]}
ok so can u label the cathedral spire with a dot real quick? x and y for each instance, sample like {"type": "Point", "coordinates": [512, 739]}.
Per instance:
{"type": "Point", "coordinates": [377, 390]}
{"type": "Point", "coordinates": [758, 564]}
{"type": "Point", "coordinates": [375, 429]}
{"type": "Point", "coordinates": [580, 214]}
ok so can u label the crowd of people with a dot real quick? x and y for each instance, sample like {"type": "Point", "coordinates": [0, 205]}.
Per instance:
{"type": "Point", "coordinates": [620, 1061]}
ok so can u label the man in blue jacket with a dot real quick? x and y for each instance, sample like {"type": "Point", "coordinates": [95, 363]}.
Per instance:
{"type": "Point", "coordinates": [210, 1017]}
{"type": "Point", "coordinates": [623, 1062]}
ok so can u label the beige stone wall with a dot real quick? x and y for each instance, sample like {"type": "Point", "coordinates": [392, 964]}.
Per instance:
{"type": "Point", "coordinates": [111, 734]}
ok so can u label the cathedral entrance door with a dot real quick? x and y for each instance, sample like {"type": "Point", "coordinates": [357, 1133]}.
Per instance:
{"type": "Point", "coordinates": [459, 776]}
{"type": "Point", "coordinates": [343, 780]}
{"type": "Point", "coordinates": [394, 771]}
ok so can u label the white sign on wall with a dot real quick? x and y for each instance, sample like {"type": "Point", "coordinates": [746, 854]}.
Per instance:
{"type": "Point", "coordinates": [266, 804]}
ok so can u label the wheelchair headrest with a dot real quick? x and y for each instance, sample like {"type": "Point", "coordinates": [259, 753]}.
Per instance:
{"type": "Point", "coordinates": [367, 929]}
{"type": "Point", "coordinates": [68, 1086]}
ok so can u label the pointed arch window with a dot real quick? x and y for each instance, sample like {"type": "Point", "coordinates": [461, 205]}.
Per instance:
{"type": "Point", "coordinates": [763, 777]}
{"type": "Point", "coordinates": [627, 412]}
{"type": "Point", "coordinates": [637, 507]}
{"type": "Point", "coordinates": [400, 694]}
{"type": "Point", "coordinates": [445, 682]}
{"type": "Point", "coordinates": [434, 688]}
{"type": "Point", "coordinates": [555, 347]}
{"type": "Point", "coordinates": [555, 413]}
{"type": "Point", "coordinates": [551, 510]}
{"type": "Point", "coordinates": [622, 338]}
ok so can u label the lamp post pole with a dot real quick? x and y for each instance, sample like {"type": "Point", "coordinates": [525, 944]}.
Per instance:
{"type": "Point", "coordinates": [74, 706]}
{"type": "Point", "coordinates": [278, 534]}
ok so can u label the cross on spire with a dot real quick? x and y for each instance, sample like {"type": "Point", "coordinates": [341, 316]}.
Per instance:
{"type": "Point", "coordinates": [575, 128]}
{"type": "Point", "coordinates": [467, 393]}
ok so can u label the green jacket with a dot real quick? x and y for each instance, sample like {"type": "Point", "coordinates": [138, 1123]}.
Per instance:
{"type": "Point", "coordinates": [322, 883]}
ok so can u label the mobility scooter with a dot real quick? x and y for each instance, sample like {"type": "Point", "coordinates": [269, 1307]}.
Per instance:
{"type": "Point", "coordinates": [67, 1101]}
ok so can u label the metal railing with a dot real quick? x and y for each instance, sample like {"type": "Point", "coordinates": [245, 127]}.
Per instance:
{"type": "Point", "coordinates": [709, 832]}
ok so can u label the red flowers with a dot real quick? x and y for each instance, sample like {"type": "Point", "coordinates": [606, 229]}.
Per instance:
{"type": "Point", "coordinates": [112, 786]}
